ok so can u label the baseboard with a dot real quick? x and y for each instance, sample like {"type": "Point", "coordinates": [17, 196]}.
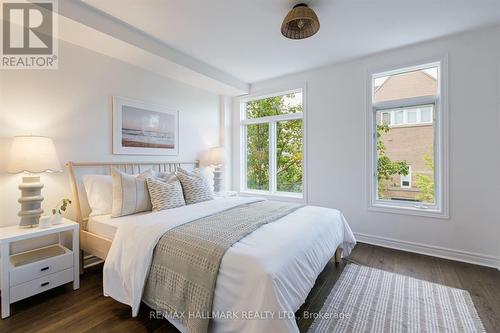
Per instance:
{"type": "Point", "coordinates": [430, 250]}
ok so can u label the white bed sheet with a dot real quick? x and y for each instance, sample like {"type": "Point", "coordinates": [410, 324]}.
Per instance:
{"type": "Point", "coordinates": [271, 271]}
{"type": "Point", "coordinates": [106, 226]}
{"type": "Point", "coordinates": [103, 225]}
{"type": "Point", "coordinates": [268, 273]}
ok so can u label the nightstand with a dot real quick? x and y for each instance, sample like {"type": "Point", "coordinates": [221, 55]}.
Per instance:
{"type": "Point", "coordinates": [31, 272]}
{"type": "Point", "coordinates": [225, 194]}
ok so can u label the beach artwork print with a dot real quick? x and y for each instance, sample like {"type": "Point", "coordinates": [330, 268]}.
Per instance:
{"type": "Point", "coordinates": [142, 129]}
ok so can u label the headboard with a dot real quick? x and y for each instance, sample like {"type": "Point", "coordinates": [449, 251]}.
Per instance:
{"type": "Point", "coordinates": [77, 170]}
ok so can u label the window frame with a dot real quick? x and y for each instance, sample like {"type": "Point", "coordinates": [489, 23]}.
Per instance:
{"type": "Point", "coordinates": [272, 121]}
{"type": "Point", "coordinates": [440, 113]}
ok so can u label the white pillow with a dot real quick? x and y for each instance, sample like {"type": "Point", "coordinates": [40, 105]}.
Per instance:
{"type": "Point", "coordinates": [99, 193]}
{"type": "Point", "coordinates": [130, 193]}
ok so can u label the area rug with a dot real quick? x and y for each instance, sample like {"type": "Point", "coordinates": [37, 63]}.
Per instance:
{"type": "Point", "coordinates": [365, 299]}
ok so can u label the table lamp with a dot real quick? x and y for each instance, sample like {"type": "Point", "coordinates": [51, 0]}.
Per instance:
{"type": "Point", "coordinates": [216, 158]}
{"type": "Point", "coordinates": [32, 155]}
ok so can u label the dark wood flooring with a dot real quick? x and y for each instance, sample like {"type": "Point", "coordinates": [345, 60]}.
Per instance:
{"type": "Point", "coordinates": [87, 310]}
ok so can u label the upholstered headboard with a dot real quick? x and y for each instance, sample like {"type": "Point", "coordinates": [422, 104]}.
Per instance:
{"type": "Point", "coordinates": [77, 170]}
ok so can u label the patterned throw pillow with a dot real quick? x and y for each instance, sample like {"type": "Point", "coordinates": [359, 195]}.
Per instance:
{"type": "Point", "coordinates": [130, 193]}
{"type": "Point", "coordinates": [195, 186]}
{"type": "Point", "coordinates": [165, 194]}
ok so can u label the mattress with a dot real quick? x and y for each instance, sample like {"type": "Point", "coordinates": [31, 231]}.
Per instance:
{"type": "Point", "coordinates": [106, 226]}
{"type": "Point", "coordinates": [103, 225]}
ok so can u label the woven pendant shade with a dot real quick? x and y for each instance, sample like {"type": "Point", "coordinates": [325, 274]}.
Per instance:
{"type": "Point", "coordinates": [301, 22]}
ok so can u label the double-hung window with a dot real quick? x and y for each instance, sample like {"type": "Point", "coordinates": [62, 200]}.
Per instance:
{"type": "Point", "coordinates": [272, 144]}
{"type": "Point", "coordinates": [406, 139]}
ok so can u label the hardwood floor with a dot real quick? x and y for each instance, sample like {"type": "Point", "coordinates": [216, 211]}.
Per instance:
{"type": "Point", "coordinates": [87, 310]}
{"type": "Point", "coordinates": [482, 283]}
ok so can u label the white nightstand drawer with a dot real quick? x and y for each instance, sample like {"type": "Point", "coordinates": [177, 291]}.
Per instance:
{"type": "Point", "coordinates": [40, 268]}
{"type": "Point", "coordinates": [31, 272]}
{"type": "Point", "coordinates": [37, 286]}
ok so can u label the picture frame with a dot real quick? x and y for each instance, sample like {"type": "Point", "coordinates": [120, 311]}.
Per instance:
{"type": "Point", "coordinates": [141, 128]}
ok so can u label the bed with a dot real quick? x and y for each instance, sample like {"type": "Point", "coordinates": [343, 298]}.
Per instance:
{"type": "Point", "coordinates": [262, 279]}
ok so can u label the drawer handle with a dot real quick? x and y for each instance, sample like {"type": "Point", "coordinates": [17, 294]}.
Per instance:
{"type": "Point", "coordinates": [44, 269]}
{"type": "Point", "coordinates": [44, 284]}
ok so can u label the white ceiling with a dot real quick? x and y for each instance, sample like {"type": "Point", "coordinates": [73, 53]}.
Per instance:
{"type": "Point", "coordinates": [242, 37]}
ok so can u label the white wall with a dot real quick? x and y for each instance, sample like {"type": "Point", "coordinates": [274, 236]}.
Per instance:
{"type": "Point", "coordinates": [73, 106]}
{"type": "Point", "coordinates": [498, 118]}
{"type": "Point", "coordinates": [336, 116]}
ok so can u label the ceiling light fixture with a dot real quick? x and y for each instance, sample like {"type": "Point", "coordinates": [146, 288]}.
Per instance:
{"type": "Point", "coordinates": [300, 22]}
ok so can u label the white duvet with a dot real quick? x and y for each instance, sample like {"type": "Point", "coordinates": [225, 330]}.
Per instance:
{"type": "Point", "coordinates": [263, 279]}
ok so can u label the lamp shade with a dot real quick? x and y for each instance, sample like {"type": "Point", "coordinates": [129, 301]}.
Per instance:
{"type": "Point", "coordinates": [33, 154]}
{"type": "Point", "coordinates": [300, 22]}
{"type": "Point", "coordinates": [216, 156]}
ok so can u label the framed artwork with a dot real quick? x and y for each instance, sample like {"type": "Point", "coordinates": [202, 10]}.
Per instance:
{"type": "Point", "coordinates": [141, 128]}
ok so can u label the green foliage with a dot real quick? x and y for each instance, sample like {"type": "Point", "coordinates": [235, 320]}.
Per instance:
{"type": "Point", "coordinates": [61, 206]}
{"type": "Point", "coordinates": [271, 106]}
{"type": "Point", "coordinates": [289, 156]}
{"type": "Point", "coordinates": [288, 146]}
{"type": "Point", "coordinates": [425, 183]}
{"type": "Point", "coordinates": [258, 157]}
{"type": "Point", "coordinates": [386, 168]}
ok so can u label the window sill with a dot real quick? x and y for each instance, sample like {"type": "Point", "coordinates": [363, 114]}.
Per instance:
{"type": "Point", "coordinates": [405, 210]}
{"type": "Point", "coordinates": [292, 197]}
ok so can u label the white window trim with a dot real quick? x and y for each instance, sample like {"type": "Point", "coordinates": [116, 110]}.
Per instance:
{"type": "Point", "coordinates": [441, 142]}
{"type": "Point", "coordinates": [410, 175]}
{"type": "Point", "coordinates": [272, 120]}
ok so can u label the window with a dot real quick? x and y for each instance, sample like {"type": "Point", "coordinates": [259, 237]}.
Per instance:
{"type": "Point", "coordinates": [406, 179]}
{"type": "Point", "coordinates": [386, 118]}
{"type": "Point", "coordinates": [398, 117]}
{"type": "Point", "coordinates": [410, 116]}
{"type": "Point", "coordinates": [272, 144]}
{"type": "Point", "coordinates": [426, 115]}
{"type": "Point", "coordinates": [406, 147]}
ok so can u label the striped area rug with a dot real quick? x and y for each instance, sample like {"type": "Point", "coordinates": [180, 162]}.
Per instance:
{"type": "Point", "coordinates": [365, 299]}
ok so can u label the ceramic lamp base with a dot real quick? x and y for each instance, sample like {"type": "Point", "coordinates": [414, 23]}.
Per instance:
{"type": "Point", "coordinates": [31, 201]}
{"type": "Point", "coordinates": [217, 179]}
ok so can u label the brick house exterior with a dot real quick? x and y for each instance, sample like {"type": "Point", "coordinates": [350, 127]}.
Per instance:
{"type": "Point", "coordinates": [408, 142]}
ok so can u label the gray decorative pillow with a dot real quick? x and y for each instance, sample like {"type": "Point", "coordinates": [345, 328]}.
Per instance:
{"type": "Point", "coordinates": [130, 193]}
{"type": "Point", "coordinates": [194, 185]}
{"type": "Point", "coordinates": [165, 194]}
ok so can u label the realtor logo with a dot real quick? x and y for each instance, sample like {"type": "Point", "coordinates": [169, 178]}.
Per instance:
{"type": "Point", "coordinates": [28, 35]}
